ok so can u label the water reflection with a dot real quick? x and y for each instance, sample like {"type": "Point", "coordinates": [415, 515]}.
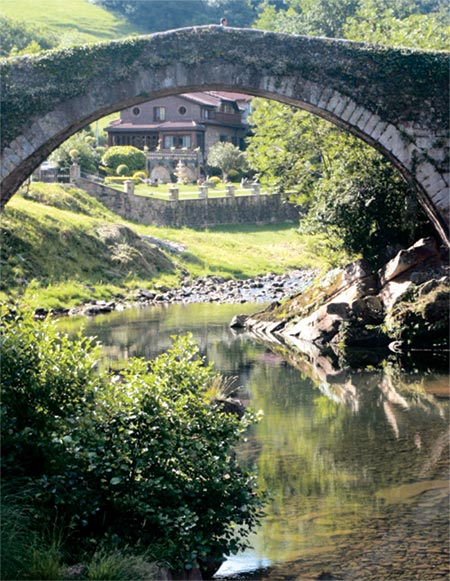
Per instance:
{"type": "Point", "coordinates": [355, 457]}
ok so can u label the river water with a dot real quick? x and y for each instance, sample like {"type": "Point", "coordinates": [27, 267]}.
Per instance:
{"type": "Point", "coordinates": [355, 459]}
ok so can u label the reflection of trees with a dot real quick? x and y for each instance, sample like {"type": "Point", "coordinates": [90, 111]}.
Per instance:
{"type": "Point", "coordinates": [331, 438]}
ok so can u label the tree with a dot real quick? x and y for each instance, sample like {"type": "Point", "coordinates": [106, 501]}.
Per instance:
{"type": "Point", "coordinates": [226, 156]}
{"type": "Point", "coordinates": [364, 206]}
{"type": "Point", "coordinates": [156, 15]}
{"type": "Point", "coordinates": [18, 38]}
{"type": "Point", "coordinates": [348, 189]}
{"type": "Point", "coordinates": [86, 155]}
{"type": "Point", "coordinates": [132, 157]}
{"type": "Point", "coordinates": [288, 147]}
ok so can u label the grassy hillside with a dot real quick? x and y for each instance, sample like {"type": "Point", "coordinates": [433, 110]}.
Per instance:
{"type": "Point", "coordinates": [60, 247]}
{"type": "Point", "coordinates": [74, 21]}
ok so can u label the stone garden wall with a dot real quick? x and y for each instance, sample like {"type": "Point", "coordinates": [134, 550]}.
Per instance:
{"type": "Point", "coordinates": [251, 209]}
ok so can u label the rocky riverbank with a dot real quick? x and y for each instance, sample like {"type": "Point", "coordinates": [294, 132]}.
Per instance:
{"type": "Point", "coordinates": [404, 304]}
{"type": "Point", "coordinates": [266, 288]}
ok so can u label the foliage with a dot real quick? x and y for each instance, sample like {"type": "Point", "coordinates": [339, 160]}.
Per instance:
{"type": "Point", "coordinates": [382, 25]}
{"type": "Point", "coordinates": [141, 175]}
{"type": "Point", "coordinates": [122, 170]}
{"type": "Point", "coordinates": [350, 193]}
{"type": "Point", "coordinates": [132, 157]}
{"type": "Point", "coordinates": [77, 148]}
{"type": "Point", "coordinates": [227, 156]}
{"type": "Point", "coordinates": [19, 38]}
{"type": "Point", "coordinates": [56, 19]}
{"type": "Point", "coordinates": [112, 566]}
{"type": "Point", "coordinates": [364, 206]}
{"type": "Point", "coordinates": [157, 15]}
{"type": "Point", "coordinates": [141, 459]}
{"type": "Point", "coordinates": [288, 147]}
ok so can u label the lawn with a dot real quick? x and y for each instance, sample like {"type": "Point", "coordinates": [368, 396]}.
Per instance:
{"type": "Point", "coordinates": [54, 250]}
{"type": "Point", "coordinates": [186, 192]}
{"type": "Point", "coordinates": [74, 21]}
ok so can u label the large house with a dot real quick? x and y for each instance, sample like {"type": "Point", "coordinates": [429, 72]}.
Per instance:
{"type": "Point", "coordinates": [182, 128]}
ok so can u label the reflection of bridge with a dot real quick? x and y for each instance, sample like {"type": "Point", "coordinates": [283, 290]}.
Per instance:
{"type": "Point", "coordinates": [394, 99]}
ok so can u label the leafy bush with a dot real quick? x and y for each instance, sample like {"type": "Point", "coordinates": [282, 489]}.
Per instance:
{"type": "Point", "coordinates": [132, 157]}
{"type": "Point", "coordinates": [227, 156]}
{"type": "Point", "coordinates": [140, 175]}
{"type": "Point", "coordinates": [122, 170]}
{"type": "Point", "coordinates": [214, 180]}
{"type": "Point", "coordinates": [77, 148]}
{"type": "Point", "coordinates": [138, 460]}
{"type": "Point", "coordinates": [19, 38]}
{"type": "Point", "coordinates": [234, 175]}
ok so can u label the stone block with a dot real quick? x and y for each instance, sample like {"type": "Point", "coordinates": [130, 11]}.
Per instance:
{"type": "Point", "coordinates": [325, 98]}
{"type": "Point", "coordinates": [337, 103]}
{"type": "Point", "coordinates": [348, 110]}
{"type": "Point", "coordinates": [371, 123]}
{"type": "Point", "coordinates": [26, 148]}
{"type": "Point", "coordinates": [406, 259]}
{"type": "Point", "coordinates": [364, 119]}
{"type": "Point", "coordinates": [390, 138]}
{"type": "Point", "coordinates": [378, 130]}
{"type": "Point", "coordinates": [356, 115]}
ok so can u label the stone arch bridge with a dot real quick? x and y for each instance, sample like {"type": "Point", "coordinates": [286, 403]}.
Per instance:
{"type": "Point", "coordinates": [394, 99]}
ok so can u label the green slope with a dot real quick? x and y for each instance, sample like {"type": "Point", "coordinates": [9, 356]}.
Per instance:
{"type": "Point", "coordinates": [74, 21]}
{"type": "Point", "coordinates": [60, 247]}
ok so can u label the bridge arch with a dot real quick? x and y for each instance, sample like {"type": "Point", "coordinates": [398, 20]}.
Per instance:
{"type": "Point", "coordinates": [394, 99]}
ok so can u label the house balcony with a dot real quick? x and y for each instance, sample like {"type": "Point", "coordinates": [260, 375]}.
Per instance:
{"type": "Point", "coordinates": [175, 154]}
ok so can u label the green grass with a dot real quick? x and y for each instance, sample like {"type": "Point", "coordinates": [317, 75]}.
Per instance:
{"type": "Point", "coordinates": [60, 247]}
{"type": "Point", "coordinates": [75, 21]}
{"type": "Point", "coordinates": [186, 192]}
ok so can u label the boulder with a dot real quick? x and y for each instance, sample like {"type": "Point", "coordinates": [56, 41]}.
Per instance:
{"type": "Point", "coordinates": [238, 321]}
{"type": "Point", "coordinates": [406, 259]}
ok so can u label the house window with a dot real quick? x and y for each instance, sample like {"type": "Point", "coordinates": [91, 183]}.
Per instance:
{"type": "Point", "coordinates": [159, 113]}
{"type": "Point", "coordinates": [185, 141]}
{"type": "Point", "coordinates": [136, 111]}
{"type": "Point", "coordinates": [182, 110]}
{"type": "Point", "coordinates": [177, 141]}
{"type": "Point", "coordinates": [169, 141]}
{"type": "Point", "coordinates": [206, 114]}
{"type": "Point", "coordinates": [227, 108]}
{"type": "Point", "coordinates": [223, 138]}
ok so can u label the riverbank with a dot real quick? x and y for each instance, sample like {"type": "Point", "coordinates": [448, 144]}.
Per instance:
{"type": "Point", "coordinates": [61, 249]}
{"type": "Point", "coordinates": [405, 304]}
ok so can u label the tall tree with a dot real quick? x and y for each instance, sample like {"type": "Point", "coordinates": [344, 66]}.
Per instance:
{"type": "Point", "coordinates": [348, 189]}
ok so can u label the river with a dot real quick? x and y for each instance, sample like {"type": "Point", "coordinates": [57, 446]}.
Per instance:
{"type": "Point", "coordinates": [355, 460]}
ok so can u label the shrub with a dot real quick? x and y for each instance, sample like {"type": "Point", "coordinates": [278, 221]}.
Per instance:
{"type": "Point", "coordinates": [145, 460]}
{"type": "Point", "coordinates": [234, 175]}
{"type": "Point", "coordinates": [76, 148]}
{"type": "Point", "coordinates": [122, 170]}
{"type": "Point", "coordinates": [140, 175]}
{"type": "Point", "coordinates": [214, 180]}
{"type": "Point", "coordinates": [132, 157]}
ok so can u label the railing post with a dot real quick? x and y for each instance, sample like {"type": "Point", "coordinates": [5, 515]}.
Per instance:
{"type": "Point", "coordinates": [256, 189]}
{"type": "Point", "coordinates": [203, 192]}
{"type": "Point", "coordinates": [128, 186]}
{"type": "Point", "coordinates": [230, 191]}
{"type": "Point", "coordinates": [74, 172]}
{"type": "Point", "coordinates": [174, 194]}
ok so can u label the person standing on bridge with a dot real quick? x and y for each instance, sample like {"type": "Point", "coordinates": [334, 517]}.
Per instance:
{"type": "Point", "coordinates": [223, 21]}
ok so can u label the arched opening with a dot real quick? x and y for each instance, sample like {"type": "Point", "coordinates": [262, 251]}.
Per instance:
{"type": "Point", "coordinates": [373, 94]}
